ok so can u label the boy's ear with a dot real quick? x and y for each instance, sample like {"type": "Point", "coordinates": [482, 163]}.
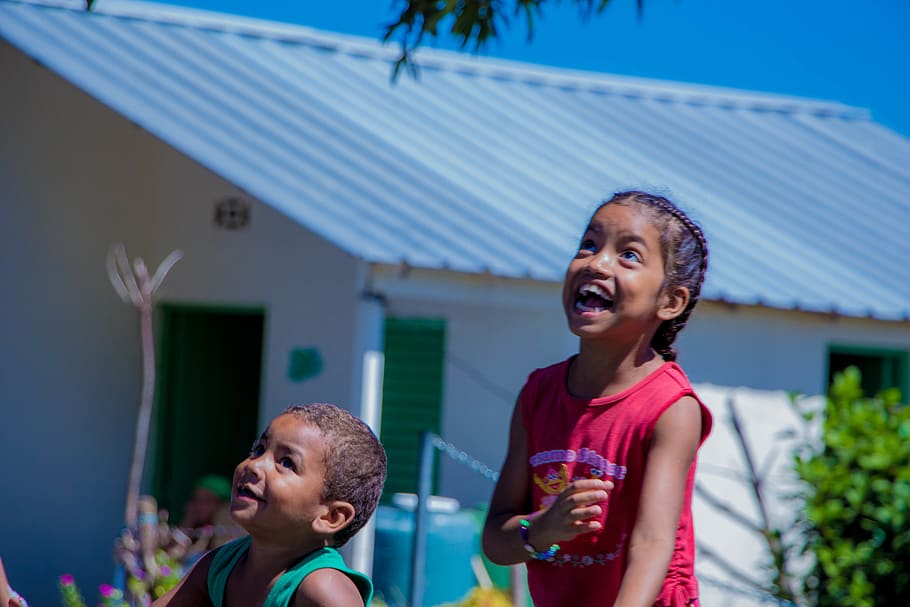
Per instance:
{"type": "Point", "coordinates": [674, 302]}
{"type": "Point", "coordinates": [337, 516]}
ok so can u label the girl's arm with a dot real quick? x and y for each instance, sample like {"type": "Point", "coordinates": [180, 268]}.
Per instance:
{"type": "Point", "coordinates": [501, 541]}
{"type": "Point", "coordinates": [673, 447]}
{"type": "Point", "coordinates": [192, 590]}
{"type": "Point", "coordinates": [511, 502]}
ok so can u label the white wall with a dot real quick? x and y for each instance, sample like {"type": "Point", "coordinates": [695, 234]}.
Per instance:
{"type": "Point", "coordinates": [75, 177]}
{"type": "Point", "coordinates": [497, 331]}
{"type": "Point", "coordinates": [774, 349]}
{"type": "Point", "coordinates": [68, 352]}
{"type": "Point", "coordinates": [306, 286]}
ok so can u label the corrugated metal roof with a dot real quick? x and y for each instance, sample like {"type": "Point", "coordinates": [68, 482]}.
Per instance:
{"type": "Point", "coordinates": [488, 166]}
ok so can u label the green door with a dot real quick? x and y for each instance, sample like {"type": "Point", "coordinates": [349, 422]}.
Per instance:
{"type": "Point", "coordinates": [411, 395]}
{"type": "Point", "coordinates": [207, 408]}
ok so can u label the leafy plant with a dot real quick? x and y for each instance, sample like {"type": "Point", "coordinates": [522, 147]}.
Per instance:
{"type": "Point", "coordinates": [857, 498]}
{"type": "Point", "coordinates": [471, 22]}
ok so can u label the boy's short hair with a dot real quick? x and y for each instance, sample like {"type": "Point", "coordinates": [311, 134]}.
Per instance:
{"type": "Point", "coordinates": [355, 462]}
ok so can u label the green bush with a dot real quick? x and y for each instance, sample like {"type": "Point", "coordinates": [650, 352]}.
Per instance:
{"type": "Point", "coordinates": [857, 512]}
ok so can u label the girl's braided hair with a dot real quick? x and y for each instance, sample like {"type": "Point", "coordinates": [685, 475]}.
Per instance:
{"type": "Point", "coordinates": [685, 253]}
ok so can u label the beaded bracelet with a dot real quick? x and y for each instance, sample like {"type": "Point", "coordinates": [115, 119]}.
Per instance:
{"type": "Point", "coordinates": [546, 555]}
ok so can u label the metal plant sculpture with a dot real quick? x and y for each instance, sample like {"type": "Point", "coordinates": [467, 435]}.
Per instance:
{"type": "Point", "coordinates": [135, 286]}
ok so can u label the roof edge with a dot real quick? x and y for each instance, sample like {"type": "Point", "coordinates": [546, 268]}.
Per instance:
{"type": "Point", "coordinates": [473, 65]}
{"type": "Point", "coordinates": [402, 268]}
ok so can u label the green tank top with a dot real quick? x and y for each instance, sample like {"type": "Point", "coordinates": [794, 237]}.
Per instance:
{"type": "Point", "coordinates": [283, 591]}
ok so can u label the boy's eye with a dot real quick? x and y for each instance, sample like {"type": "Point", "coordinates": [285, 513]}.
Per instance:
{"type": "Point", "coordinates": [288, 463]}
{"type": "Point", "coordinates": [631, 256]}
{"type": "Point", "coordinates": [257, 450]}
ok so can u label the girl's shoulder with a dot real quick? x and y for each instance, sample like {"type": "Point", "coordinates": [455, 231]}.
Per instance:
{"type": "Point", "coordinates": [551, 373]}
{"type": "Point", "coordinates": [544, 386]}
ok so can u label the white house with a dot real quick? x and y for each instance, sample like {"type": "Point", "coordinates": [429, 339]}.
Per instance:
{"type": "Point", "coordinates": [328, 216]}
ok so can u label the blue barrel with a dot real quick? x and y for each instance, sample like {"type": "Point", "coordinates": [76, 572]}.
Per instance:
{"type": "Point", "coordinates": [453, 538]}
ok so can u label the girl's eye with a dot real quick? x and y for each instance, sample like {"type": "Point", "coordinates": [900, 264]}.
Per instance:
{"type": "Point", "coordinates": [287, 462]}
{"type": "Point", "coordinates": [631, 256]}
{"type": "Point", "coordinates": [587, 245]}
{"type": "Point", "coordinates": [257, 450]}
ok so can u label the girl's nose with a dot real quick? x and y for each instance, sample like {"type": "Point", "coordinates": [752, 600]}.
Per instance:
{"type": "Point", "coordinates": [602, 263]}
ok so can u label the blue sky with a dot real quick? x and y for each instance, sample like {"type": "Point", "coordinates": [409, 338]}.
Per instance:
{"type": "Point", "coordinates": [850, 51]}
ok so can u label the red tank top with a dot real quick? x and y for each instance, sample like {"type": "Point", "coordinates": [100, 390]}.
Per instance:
{"type": "Point", "coordinates": [571, 438]}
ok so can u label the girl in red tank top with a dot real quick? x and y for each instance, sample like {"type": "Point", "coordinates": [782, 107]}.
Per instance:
{"type": "Point", "coordinates": [595, 493]}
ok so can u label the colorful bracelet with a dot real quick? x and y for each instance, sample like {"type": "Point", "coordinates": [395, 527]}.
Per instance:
{"type": "Point", "coordinates": [546, 555]}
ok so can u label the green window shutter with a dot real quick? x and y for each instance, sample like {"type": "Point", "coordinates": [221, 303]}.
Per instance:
{"type": "Point", "coordinates": [880, 368]}
{"type": "Point", "coordinates": [411, 395]}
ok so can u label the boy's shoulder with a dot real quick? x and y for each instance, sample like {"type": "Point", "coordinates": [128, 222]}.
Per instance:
{"type": "Point", "coordinates": [327, 586]}
{"type": "Point", "coordinates": [193, 590]}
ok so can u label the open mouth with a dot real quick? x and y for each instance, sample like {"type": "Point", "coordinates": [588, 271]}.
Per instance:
{"type": "Point", "coordinates": [245, 492]}
{"type": "Point", "coordinates": [593, 298]}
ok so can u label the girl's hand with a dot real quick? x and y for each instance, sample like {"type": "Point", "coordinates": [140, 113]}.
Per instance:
{"type": "Point", "coordinates": [576, 511]}
{"type": "Point", "coordinates": [570, 515]}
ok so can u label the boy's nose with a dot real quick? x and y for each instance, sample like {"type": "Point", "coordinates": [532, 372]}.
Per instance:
{"type": "Point", "coordinates": [250, 469]}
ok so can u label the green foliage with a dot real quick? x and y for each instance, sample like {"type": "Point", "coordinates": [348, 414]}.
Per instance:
{"type": "Point", "coordinates": [858, 498]}
{"type": "Point", "coordinates": [472, 22]}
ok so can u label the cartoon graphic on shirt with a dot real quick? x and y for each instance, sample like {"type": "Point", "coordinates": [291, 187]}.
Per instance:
{"type": "Point", "coordinates": [588, 464]}
{"type": "Point", "coordinates": [552, 476]}
{"type": "Point", "coordinates": [552, 484]}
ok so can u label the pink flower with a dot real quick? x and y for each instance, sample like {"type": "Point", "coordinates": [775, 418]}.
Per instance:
{"type": "Point", "coordinates": [107, 590]}
{"type": "Point", "coordinates": [66, 579]}
{"type": "Point", "coordinates": [165, 570]}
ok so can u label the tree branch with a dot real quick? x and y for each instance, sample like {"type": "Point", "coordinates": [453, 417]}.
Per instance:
{"type": "Point", "coordinates": [725, 508]}
{"type": "Point", "coordinates": [729, 568]}
{"type": "Point", "coordinates": [754, 479]}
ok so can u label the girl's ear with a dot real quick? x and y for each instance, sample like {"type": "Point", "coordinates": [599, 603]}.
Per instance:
{"type": "Point", "coordinates": [674, 302]}
{"type": "Point", "coordinates": [337, 516]}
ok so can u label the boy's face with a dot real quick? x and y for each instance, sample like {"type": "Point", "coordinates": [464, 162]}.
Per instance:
{"type": "Point", "coordinates": [278, 488]}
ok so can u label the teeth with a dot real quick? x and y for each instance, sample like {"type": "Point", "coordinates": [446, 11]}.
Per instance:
{"type": "Point", "coordinates": [593, 289]}
{"type": "Point", "coordinates": [592, 298]}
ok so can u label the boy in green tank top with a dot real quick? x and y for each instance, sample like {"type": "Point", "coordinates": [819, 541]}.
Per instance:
{"type": "Point", "coordinates": [310, 482]}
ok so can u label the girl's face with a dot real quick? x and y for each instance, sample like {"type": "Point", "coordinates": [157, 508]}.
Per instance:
{"type": "Point", "coordinates": [614, 286]}
{"type": "Point", "coordinates": [278, 487]}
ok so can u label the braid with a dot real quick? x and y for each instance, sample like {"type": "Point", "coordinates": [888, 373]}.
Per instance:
{"type": "Point", "coordinates": [685, 260]}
